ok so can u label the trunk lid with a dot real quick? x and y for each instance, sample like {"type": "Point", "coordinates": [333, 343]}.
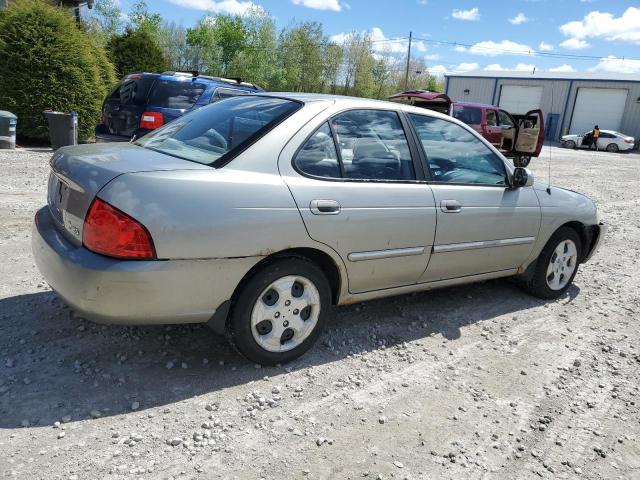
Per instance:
{"type": "Point", "coordinates": [79, 173]}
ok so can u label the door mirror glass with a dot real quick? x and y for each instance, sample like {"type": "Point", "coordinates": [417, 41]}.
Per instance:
{"type": "Point", "coordinates": [522, 177]}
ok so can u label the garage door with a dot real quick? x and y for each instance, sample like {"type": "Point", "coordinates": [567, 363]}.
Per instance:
{"type": "Point", "coordinates": [519, 100]}
{"type": "Point", "coordinates": [598, 106]}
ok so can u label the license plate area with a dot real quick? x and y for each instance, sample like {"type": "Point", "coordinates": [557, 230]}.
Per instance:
{"type": "Point", "coordinates": [59, 193]}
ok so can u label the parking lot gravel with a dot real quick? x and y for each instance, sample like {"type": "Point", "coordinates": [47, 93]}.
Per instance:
{"type": "Point", "coordinates": [478, 381]}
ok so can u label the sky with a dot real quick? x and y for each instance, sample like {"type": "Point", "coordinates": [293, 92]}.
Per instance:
{"type": "Point", "coordinates": [464, 35]}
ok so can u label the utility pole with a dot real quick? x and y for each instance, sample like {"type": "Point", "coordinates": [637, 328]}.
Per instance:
{"type": "Point", "coordinates": [406, 75]}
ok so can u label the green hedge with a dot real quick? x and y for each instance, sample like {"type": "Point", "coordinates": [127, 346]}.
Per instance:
{"type": "Point", "coordinates": [46, 61]}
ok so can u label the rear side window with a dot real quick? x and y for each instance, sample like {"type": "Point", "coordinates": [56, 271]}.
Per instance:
{"type": "Point", "coordinates": [133, 91]}
{"type": "Point", "coordinates": [455, 155]}
{"type": "Point", "coordinates": [468, 115]}
{"type": "Point", "coordinates": [172, 94]}
{"type": "Point", "coordinates": [359, 145]}
{"type": "Point", "coordinates": [219, 130]}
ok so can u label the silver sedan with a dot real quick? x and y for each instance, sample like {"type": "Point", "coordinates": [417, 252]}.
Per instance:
{"type": "Point", "coordinates": [609, 140]}
{"type": "Point", "coordinates": [257, 213]}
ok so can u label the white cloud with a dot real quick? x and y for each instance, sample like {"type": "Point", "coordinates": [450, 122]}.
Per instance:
{"type": "Point", "coordinates": [438, 70]}
{"type": "Point", "coordinates": [422, 2]}
{"type": "Point", "coordinates": [617, 65]}
{"type": "Point", "coordinates": [505, 47]}
{"type": "Point", "coordinates": [495, 67]}
{"type": "Point", "coordinates": [563, 68]}
{"type": "Point", "coordinates": [545, 47]}
{"type": "Point", "coordinates": [333, 5]}
{"type": "Point", "coordinates": [519, 19]}
{"type": "Point", "coordinates": [575, 44]}
{"type": "Point", "coordinates": [524, 67]}
{"type": "Point", "coordinates": [432, 56]}
{"type": "Point", "coordinates": [382, 44]}
{"type": "Point", "coordinates": [625, 28]}
{"type": "Point", "coordinates": [460, 48]}
{"type": "Point", "coordinates": [471, 14]}
{"type": "Point", "coordinates": [233, 7]}
{"type": "Point", "coordinates": [466, 67]}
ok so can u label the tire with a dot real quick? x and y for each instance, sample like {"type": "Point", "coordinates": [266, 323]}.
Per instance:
{"type": "Point", "coordinates": [570, 144]}
{"type": "Point", "coordinates": [522, 161]}
{"type": "Point", "coordinates": [612, 147]}
{"type": "Point", "coordinates": [539, 284]}
{"type": "Point", "coordinates": [266, 329]}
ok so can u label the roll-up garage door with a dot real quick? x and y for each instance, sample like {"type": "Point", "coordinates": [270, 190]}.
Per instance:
{"type": "Point", "coordinates": [598, 106]}
{"type": "Point", "coordinates": [518, 99]}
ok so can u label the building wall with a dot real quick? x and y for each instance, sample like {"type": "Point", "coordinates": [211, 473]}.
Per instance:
{"type": "Point", "coordinates": [558, 96]}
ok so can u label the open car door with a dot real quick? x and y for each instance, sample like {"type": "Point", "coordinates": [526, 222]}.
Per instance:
{"type": "Point", "coordinates": [530, 135]}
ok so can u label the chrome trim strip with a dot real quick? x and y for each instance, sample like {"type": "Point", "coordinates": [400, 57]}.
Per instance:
{"type": "Point", "coordinates": [379, 254]}
{"type": "Point", "coordinates": [455, 247]}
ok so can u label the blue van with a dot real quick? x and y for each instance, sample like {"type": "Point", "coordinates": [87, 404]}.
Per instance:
{"type": "Point", "coordinates": [145, 101]}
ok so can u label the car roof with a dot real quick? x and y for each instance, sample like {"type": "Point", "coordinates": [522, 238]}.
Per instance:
{"type": "Point", "coordinates": [187, 76]}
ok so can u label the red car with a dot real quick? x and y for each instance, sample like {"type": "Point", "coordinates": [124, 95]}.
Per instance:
{"type": "Point", "coordinates": [520, 137]}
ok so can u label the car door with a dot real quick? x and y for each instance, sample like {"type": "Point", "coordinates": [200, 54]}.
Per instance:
{"type": "Point", "coordinates": [360, 190]}
{"type": "Point", "coordinates": [491, 129]}
{"type": "Point", "coordinates": [530, 135]}
{"type": "Point", "coordinates": [508, 126]}
{"type": "Point", "coordinates": [483, 225]}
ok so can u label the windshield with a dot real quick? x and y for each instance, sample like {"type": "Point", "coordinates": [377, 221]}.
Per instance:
{"type": "Point", "coordinates": [178, 95]}
{"type": "Point", "coordinates": [468, 115]}
{"type": "Point", "coordinates": [220, 129]}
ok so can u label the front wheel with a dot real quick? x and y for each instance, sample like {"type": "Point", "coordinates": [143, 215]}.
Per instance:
{"type": "Point", "coordinates": [556, 266]}
{"type": "Point", "coordinates": [570, 144]}
{"type": "Point", "coordinates": [280, 312]}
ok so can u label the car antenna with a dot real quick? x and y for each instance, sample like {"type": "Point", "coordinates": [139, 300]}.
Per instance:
{"type": "Point", "coordinates": [549, 182]}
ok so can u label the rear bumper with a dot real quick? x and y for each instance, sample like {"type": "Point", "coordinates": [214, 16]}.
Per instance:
{"type": "Point", "coordinates": [114, 291]}
{"type": "Point", "coordinates": [597, 235]}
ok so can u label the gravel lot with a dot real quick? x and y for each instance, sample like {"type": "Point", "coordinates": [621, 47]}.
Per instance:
{"type": "Point", "coordinates": [480, 381]}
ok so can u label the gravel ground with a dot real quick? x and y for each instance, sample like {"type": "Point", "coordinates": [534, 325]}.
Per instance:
{"type": "Point", "coordinates": [480, 381]}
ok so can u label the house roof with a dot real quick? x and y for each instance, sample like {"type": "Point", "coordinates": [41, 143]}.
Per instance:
{"type": "Point", "coordinates": [546, 75]}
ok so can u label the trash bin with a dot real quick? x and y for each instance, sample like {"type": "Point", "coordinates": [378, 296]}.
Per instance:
{"type": "Point", "coordinates": [63, 128]}
{"type": "Point", "coordinates": [8, 122]}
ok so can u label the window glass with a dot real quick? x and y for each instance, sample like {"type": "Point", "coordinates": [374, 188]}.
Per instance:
{"type": "Point", "coordinates": [373, 145]}
{"type": "Point", "coordinates": [208, 133]}
{"type": "Point", "coordinates": [455, 155]}
{"type": "Point", "coordinates": [133, 91]}
{"type": "Point", "coordinates": [505, 119]}
{"type": "Point", "coordinates": [318, 155]}
{"type": "Point", "coordinates": [180, 95]}
{"type": "Point", "coordinates": [492, 119]}
{"type": "Point", "coordinates": [222, 93]}
{"type": "Point", "coordinates": [468, 115]}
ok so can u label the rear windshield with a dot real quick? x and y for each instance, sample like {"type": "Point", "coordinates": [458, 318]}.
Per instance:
{"type": "Point", "coordinates": [468, 115]}
{"type": "Point", "coordinates": [220, 129]}
{"type": "Point", "coordinates": [173, 94]}
{"type": "Point", "coordinates": [133, 90]}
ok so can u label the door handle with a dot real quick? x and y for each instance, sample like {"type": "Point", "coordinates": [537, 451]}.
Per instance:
{"type": "Point", "coordinates": [324, 207]}
{"type": "Point", "coordinates": [450, 206]}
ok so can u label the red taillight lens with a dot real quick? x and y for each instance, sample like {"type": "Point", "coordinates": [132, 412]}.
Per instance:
{"type": "Point", "coordinates": [628, 140]}
{"type": "Point", "coordinates": [110, 232]}
{"type": "Point", "coordinates": [151, 120]}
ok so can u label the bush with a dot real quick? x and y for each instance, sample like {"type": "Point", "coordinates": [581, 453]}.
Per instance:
{"type": "Point", "coordinates": [47, 62]}
{"type": "Point", "coordinates": [136, 51]}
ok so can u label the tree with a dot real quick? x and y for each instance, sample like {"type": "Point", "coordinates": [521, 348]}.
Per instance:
{"type": "Point", "coordinates": [136, 51]}
{"type": "Point", "coordinates": [229, 34]}
{"type": "Point", "coordinates": [105, 20]}
{"type": "Point", "coordinates": [143, 20]}
{"type": "Point", "coordinates": [46, 61]}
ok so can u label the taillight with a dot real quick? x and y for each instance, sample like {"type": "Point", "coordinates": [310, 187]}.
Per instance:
{"type": "Point", "coordinates": [110, 232]}
{"type": "Point", "coordinates": [628, 140]}
{"type": "Point", "coordinates": [151, 120]}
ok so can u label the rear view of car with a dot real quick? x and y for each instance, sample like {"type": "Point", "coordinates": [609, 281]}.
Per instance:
{"type": "Point", "coordinates": [146, 101]}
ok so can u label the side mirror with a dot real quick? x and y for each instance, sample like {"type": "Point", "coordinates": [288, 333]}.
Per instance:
{"type": "Point", "coordinates": [522, 177]}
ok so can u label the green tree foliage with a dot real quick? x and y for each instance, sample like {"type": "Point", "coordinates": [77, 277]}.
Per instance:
{"type": "Point", "coordinates": [46, 61]}
{"type": "Point", "coordinates": [142, 19]}
{"type": "Point", "coordinates": [106, 21]}
{"type": "Point", "coordinates": [136, 51]}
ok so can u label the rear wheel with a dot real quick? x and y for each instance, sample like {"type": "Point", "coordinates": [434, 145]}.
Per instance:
{"type": "Point", "coordinates": [612, 147]}
{"type": "Point", "coordinates": [280, 312]}
{"type": "Point", "coordinates": [556, 266]}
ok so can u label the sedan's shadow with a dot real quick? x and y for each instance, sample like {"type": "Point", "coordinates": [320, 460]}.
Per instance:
{"type": "Point", "coordinates": [53, 366]}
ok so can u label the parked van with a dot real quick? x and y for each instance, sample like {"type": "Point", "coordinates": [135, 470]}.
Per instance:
{"type": "Point", "coordinates": [519, 137]}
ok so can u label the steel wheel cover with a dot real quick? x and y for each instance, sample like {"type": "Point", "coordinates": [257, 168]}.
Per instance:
{"type": "Point", "coordinates": [562, 264]}
{"type": "Point", "coordinates": [285, 313]}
